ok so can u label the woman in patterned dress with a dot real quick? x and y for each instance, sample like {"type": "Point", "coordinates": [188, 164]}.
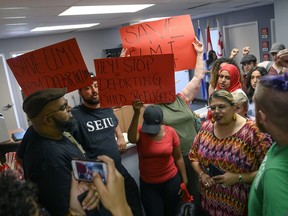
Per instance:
{"type": "Point", "coordinates": [234, 145]}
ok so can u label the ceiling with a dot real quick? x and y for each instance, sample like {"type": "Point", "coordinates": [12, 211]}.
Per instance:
{"type": "Point", "coordinates": [40, 13]}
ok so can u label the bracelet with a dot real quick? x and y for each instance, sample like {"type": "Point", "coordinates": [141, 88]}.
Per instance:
{"type": "Point", "coordinates": [201, 173]}
{"type": "Point", "coordinates": [240, 178]}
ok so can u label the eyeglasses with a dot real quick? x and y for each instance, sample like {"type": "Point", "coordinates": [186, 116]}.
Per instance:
{"type": "Point", "coordinates": [62, 108]}
{"type": "Point", "coordinates": [220, 107]}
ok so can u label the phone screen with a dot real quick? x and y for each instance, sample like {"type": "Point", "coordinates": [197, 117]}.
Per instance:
{"type": "Point", "coordinates": [83, 169]}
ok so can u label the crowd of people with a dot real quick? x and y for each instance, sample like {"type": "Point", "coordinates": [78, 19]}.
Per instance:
{"type": "Point", "coordinates": [235, 164]}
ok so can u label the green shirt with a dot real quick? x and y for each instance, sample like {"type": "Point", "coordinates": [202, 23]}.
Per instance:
{"type": "Point", "coordinates": [269, 191]}
{"type": "Point", "coordinates": [179, 116]}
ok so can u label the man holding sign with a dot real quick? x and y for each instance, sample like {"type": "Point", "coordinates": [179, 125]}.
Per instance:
{"type": "Point", "coordinates": [96, 132]}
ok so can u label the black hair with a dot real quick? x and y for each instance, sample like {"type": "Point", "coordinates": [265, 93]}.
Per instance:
{"type": "Point", "coordinates": [249, 89]}
{"type": "Point", "coordinates": [17, 198]}
{"type": "Point", "coordinates": [210, 57]}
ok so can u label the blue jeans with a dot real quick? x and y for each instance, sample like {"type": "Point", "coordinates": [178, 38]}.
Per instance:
{"type": "Point", "coordinates": [161, 199]}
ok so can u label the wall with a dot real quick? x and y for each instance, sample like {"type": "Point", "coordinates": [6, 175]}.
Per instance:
{"type": "Point", "coordinates": [281, 17]}
{"type": "Point", "coordinates": [262, 15]}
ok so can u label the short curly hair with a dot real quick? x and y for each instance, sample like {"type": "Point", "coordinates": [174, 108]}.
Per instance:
{"type": "Point", "coordinates": [17, 198]}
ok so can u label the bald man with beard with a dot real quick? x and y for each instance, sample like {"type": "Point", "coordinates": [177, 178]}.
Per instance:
{"type": "Point", "coordinates": [269, 191]}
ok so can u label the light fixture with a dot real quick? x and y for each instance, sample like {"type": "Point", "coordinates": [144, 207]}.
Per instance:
{"type": "Point", "coordinates": [15, 24]}
{"type": "Point", "coordinates": [16, 17]}
{"type": "Point", "coordinates": [104, 9]}
{"type": "Point", "coordinates": [152, 19]}
{"type": "Point", "coordinates": [64, 27]}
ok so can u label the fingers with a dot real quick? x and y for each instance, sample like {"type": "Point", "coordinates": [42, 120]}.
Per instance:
{"type": "Point", "coordinates": [122, 147]}
{"type": "Point", "coordinates": [137, 104]}
{"type": "Point", "coordinates": [197, 42]}
{"type": "Point", "coordinates": [92, 199]}
{"type": "Point", "coordinates": [110, 165]}
{"type": "Point", "coordinates": [207, 181]}
{"type": "Point", "coordinates": [123, 52]}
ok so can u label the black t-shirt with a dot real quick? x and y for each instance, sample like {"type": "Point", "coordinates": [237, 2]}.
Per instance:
{"type": "Point", "coordinates": [95, 131]}
{"type": "Point", "coordinates": [47, 163]}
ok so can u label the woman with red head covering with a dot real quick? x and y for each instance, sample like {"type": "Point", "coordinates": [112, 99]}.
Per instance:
{"type": "Point", "coordinates": [229, 78]}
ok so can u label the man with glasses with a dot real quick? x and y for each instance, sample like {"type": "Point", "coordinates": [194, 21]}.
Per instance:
{"type": "Point", "coordinates": [45, 154]}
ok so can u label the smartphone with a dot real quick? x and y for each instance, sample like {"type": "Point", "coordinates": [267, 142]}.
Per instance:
{"type": "Point", "coordinates": [213, 170]}
{"type": "Point", "coordinates": [83, 169]}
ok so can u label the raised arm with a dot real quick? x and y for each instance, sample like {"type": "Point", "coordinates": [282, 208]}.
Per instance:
{"type": "Point", "coordinates": [191, 89]}
{"type": "Point", "coordinates": [233, 53]}
{"type": "Point", "coordinates": [133, 135]}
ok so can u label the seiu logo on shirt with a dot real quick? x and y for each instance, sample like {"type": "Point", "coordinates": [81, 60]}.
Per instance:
{"type": "Point", "coordinates": [99, 124]}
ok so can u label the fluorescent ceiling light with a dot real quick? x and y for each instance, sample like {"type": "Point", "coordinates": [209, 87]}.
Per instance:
{"type": "Point", "coordinates": [15, 24]}
{"type": "Point", "coordinates": [14, 8]}
{"type": "Point", "coordinates": [64, 27]}
{"type": "Point", "coordinates": [153, 19]}
{"type": "Point", "coordinates": [104, 9]}
{"type": "Point", "coordinates": [17, 17]}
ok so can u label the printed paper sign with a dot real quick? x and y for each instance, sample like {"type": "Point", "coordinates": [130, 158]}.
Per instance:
{"type": "Point", "coordinates": [56, 66]}
{"type": "Point", "coordinates": [148, 78]}
{"type": "Point", "coordinates": [172, 35]}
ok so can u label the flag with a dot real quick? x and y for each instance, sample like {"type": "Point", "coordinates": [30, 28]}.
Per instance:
{"type": "Point", "coordinates": [200, 38]}
{"type": "Point", "coordinates": [203, 85]}
{"type": "Point", "coordinates": [208, 39]}
{"type": "Point", "coordinates": [220, 47]}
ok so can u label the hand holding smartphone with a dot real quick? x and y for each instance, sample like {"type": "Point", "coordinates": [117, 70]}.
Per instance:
{"type": "Point", "coordinates": [83, 169]}
{"type": "Point", "coordinates": [213, 170]}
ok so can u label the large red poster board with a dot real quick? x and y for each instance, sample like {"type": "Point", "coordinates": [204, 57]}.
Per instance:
{"type": "Point", "coordinates": [148, 78]}
{"type": "Point", "coordinates": [56, 66]}
{"type": "Point", "coordinates": [171, 35]}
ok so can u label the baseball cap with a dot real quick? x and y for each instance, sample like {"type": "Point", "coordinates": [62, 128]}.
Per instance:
{"type": "Point", "coordinates": [276, 47]}
{"type": "Point", "coordinates": [36, 101]}
{"type": "Point", "coordinates": [248, 58]}
{"type": "Point", "coordinates": [153, 118]}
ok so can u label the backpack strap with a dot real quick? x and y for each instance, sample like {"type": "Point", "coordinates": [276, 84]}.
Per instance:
{"type": "Point", "coordinates": [74, 141]}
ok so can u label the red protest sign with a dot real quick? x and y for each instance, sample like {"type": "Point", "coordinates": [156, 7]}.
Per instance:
{"type": "Point", "coordinates": [172, 35]}
{"type": "Point", "coordinates": [57, 66]}
{"type": "Point", "coordinates": [148, 78]}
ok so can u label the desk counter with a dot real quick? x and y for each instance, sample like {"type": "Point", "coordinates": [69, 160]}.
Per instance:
{"type": "Point", "coordinates": [9, 146]}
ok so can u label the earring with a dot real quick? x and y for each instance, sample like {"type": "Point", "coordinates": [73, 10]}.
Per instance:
{"type": "Point", "coordinates": [212, 120]}
{"type": "Point", "coordinates": [234, 117]}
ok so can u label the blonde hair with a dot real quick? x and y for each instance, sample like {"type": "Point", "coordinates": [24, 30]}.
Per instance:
{"type": "Point", "coordinates": [240, 97]}
{"type": "Point", "coordinates": [223, 94]}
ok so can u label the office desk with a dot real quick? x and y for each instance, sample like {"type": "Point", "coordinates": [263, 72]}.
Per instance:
{"type": "Point", "coordinates": [9, 146]}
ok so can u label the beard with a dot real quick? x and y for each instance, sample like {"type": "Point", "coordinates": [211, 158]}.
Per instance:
{"type": "Point", "coordinates": [93, 101]}
{"type": "Point", "coordinates": [66, 126]}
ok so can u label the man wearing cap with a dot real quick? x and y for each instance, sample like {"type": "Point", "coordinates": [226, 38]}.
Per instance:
{"type": "Point", "coordinates": [248, 62]}
{"type": "Point", "coordinates": [274, 67]}
{"type": "Point", "coordinates": [161, 164]}
{"type": "Point", "coordinates": [45, 154]}
{"type": "Point", "coordinates": [96, 130]}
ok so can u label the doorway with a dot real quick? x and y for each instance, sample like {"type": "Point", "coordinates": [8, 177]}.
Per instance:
{"type": "Point", "coordinates": [242, 35]}
{"type": "Point", "coordinates": [7, 101]}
